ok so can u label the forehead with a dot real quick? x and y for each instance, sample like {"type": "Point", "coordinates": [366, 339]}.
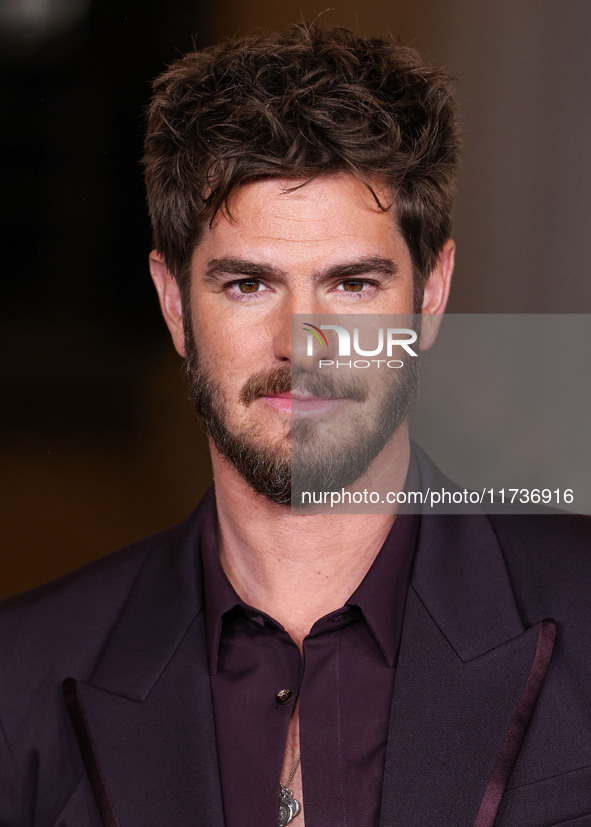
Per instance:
{"type": "Point", "coordinates": [332, 215]}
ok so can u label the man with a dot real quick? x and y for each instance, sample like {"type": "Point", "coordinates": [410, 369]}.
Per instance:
{"type": "Point", "coordinates": [258, 666]}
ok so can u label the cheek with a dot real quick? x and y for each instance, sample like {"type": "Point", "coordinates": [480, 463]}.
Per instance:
{"type": "Point", "coordinates": [232, 343]}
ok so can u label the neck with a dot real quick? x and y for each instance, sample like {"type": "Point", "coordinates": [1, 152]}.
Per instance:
{"type": "Point", "coordinates": [299, 567]}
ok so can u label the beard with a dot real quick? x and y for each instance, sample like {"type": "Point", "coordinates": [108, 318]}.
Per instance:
{"type": "Point", "coordinates": [308, 456]}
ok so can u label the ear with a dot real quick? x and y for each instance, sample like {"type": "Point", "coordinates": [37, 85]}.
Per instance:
{"type": "Point", "coordinates": [436, 294]}
{"type": "Point", "coordinates": [169, 295]}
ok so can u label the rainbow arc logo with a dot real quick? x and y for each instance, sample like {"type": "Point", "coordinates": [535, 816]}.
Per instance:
{"type": "Point", "coordinates": [315, 331]}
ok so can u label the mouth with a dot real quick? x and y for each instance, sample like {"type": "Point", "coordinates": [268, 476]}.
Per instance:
{"type": "Point", "coordinates": [293, 403]}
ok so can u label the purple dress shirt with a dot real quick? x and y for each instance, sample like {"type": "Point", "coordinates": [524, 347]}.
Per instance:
{"type": "Point", "coordinates": [343, 679]}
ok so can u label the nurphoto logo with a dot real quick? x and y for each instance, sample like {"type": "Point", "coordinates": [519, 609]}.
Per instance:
{"type": "Point", "coordinates": [387, 339]}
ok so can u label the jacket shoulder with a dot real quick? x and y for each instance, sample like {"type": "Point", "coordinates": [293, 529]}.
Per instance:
{"type": "Point", "coordinates": [61, 631]}
{"type": "Point", "coordinates": [63, 625]}
{"type": "Point", "coordinates": [548, 557]}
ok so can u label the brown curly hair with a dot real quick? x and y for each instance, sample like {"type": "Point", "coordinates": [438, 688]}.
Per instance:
{"type": "Point", "coordinates": [300, 103]}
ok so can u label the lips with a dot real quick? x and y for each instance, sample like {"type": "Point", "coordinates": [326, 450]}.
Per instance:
{"type": "Point", "coordinates": [300, 404]}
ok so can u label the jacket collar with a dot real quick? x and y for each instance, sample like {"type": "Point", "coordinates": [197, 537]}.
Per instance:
{"type": "Point", "coordinates": [144, 719]}
{"type": "Point", "coordinates": [460, 575]}
{"type": "Point", "coordinates": [468, 677]}
{"type": "Point", "coordinates": [164, 600]}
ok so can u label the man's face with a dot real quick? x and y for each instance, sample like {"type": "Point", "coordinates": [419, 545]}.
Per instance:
{"type": "Point", "coordinates": [323, 248]}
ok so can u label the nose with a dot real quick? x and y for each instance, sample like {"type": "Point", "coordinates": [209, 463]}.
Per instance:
{"type": "Point", "coordinates": [290, 339]}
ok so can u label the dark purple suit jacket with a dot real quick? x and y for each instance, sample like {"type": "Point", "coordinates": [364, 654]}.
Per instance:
{"type": "Point", "coordinates": [105, 704]}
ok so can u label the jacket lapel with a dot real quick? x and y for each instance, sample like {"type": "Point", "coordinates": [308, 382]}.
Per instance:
{"type": "Point", "coordinates": [467, 680]}
{"type": "Point", "coordinates": [144, 719]}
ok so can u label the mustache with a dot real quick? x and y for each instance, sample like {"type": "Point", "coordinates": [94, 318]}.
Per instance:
{"type": "Point", "coordinates": [284, 379]}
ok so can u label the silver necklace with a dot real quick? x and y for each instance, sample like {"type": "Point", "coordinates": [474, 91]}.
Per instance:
{"type": "Point", "coordinates": [288, 806]}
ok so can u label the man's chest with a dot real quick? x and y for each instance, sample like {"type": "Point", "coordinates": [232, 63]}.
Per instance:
{"type": "Point", "coordinates": [273, 704]}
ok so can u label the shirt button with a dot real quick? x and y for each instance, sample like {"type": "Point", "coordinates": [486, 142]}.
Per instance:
{"type": "Point", "coordinates": [284, 696]}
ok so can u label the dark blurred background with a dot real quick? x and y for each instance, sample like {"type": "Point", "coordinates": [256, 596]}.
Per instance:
{"type": "Point", "coordinates": [99, 443]}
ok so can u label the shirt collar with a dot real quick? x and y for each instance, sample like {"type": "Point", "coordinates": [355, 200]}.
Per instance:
{"type": "Point", "coordinates": [381, 596]}
{"type": "Point", "coordinates": [219, 595]}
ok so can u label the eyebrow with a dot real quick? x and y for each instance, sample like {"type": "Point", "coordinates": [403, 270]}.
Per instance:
{"type": "Point", "coordinates": [220, 268]}
{"type": "Point", "coordinates": [361, 267]}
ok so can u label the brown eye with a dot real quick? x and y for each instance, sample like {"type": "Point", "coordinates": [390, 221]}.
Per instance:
{"type": "Point", "coordinates": [248, 286]}
{"type": "Point", "coordinates": [353, 285]}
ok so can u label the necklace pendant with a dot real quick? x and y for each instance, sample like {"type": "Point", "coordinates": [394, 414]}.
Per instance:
{"type": "Point", "coordinates": [288, 807]}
